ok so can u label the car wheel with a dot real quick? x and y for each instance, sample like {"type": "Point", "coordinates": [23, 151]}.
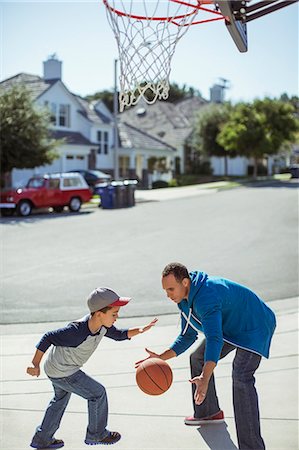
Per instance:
{"type": "Point", "coordinates": [58, 209]}
{"type": "Point", "coordinates": [24, 208]}
{"type": "Point", "coordinates": [75, 204]}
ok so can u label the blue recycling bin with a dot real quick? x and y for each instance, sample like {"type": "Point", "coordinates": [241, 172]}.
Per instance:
{"type": "Point", "coordinates": [294, 170]}
{"type": "Point", "coordinates": [107, 194]}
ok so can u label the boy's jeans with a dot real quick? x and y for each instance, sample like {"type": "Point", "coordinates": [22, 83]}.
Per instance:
{"type": "Point", "coordinates": [81, 384]}
{"type": "Point", "coordinates": [245, 399]}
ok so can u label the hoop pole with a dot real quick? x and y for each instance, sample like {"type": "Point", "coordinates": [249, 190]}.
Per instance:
{"type": "Point", "coordinates": [115, 128]}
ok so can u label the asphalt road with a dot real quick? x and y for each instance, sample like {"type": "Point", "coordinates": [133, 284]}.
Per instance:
{"type": "Point", "coordinates": [51, 262]}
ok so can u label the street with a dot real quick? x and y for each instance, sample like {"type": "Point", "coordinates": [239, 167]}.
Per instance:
{"type": "Point", "coordinates": [51, 262]}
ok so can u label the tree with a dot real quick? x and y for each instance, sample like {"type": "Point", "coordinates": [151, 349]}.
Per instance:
{"type": "Point", "coordinates": [206, 129]}
{"type": "Point", "coordinates": [259, 129]}
{"type": "Point", "coordinates": [25, 138]}
{"type": "Point", "coordinates": [106, 96]}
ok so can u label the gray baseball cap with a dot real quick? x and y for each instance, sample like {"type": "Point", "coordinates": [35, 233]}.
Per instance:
{"type": "Point", "coordinates": [101, 297]}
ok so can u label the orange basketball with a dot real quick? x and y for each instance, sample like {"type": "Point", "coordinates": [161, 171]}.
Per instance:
{"type": "Point", "coordinates": [154, 376]}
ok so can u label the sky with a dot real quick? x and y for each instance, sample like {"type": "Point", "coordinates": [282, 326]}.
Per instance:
{"type": "Point", "coordinates": [79, 34]}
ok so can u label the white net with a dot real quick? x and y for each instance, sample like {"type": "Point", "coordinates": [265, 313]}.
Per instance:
{"type": "Point", "coordinates": [147, 32]}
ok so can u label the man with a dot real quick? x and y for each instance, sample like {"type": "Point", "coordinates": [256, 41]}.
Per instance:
{"type": "Point", "coordinates": [232, 317]}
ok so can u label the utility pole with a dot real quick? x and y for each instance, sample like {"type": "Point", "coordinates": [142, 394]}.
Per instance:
{"type": "Point", "coordinates": [115, 113]}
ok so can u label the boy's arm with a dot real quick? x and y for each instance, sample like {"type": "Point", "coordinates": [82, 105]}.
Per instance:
{"type": "Point", "coordinates": [35, 370]}
{"type": "Point", "coordinates": [135, 331]}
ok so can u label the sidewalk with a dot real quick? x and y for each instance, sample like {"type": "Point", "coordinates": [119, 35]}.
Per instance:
{"type": "Point", "coordinates": [145, 422]}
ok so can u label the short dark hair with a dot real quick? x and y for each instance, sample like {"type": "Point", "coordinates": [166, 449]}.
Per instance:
{"type": "Point", "coordinates": [103, 310]}
{"type": "Point", "coordinates": [178, 270]}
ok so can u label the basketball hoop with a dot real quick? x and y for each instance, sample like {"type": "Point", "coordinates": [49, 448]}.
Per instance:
{"type": "Point", "coordinates": [147, 32]}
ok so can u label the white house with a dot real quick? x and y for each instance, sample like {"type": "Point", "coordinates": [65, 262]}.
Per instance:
{"type": "Point", "coordinates": [87, 130]}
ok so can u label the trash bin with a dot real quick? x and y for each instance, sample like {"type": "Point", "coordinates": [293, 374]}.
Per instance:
{"type": "Point", "coordinates": [294, 170]}
{"type": "Point", "coordinates": [119, 194]}
{"type": "Point", "coordinates": [107, 195]}
{"type": "Point", "coordinates": [130, 186]}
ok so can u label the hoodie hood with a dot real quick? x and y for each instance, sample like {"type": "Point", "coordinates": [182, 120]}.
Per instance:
{"type": "Point", "coordinates": [198, 279]}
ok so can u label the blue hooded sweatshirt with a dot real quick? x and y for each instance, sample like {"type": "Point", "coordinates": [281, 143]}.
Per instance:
{"type": "Point", "coordinates": [224, 311]}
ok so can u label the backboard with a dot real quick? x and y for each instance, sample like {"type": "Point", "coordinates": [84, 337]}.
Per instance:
{"type": "Point", "coordinates": [234, 12]}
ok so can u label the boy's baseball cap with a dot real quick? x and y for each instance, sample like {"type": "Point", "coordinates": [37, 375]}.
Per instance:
{"type": "Point", "coordinates": [101, 297]}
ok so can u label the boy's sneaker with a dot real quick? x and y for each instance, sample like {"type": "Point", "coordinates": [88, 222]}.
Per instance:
{"type": "Point", "coordinates": [216, 418]}
{"type": "Point", "coordinates": [56, 443]}
{"type": "Point", "coordinates": [112, 438]}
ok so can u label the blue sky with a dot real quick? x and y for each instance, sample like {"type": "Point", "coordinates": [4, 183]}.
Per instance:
{"type": "Point", "coordinates": [78, 32]}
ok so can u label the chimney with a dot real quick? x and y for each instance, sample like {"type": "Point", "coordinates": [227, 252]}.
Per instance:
{"type": "Point", "coordinates": [52, 68]}
{"type": "Point", "coordinates": [217, 94]}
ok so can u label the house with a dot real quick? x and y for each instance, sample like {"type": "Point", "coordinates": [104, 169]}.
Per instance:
{"type": "Point", "coordinates": [87, 130]}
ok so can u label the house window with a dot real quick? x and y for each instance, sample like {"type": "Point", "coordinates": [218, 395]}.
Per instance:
{"type": "Point", "coordinates": [64, 115]}
{"type": "Point", "coordinates": [103, 140]}
{"type": "Point", "coordinates": [60, 114]}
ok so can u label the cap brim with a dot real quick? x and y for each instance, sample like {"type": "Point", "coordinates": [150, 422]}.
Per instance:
{"type": "Point", "coordinates": [122, 301]}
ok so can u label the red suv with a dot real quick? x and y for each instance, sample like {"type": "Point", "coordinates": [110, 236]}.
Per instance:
{"type": "Point", "coordinates": [54, 190]}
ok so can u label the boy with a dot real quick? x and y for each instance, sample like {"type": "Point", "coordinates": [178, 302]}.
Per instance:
{"type": "Point", "coordinates": [232, 317]}
{"type": "Point", "coordinates": [71, 348]}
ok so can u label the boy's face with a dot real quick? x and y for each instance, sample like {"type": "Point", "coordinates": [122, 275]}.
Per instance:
{"type": "Point", "coordinates": [175, 290]}
{"type": "Point", "coordinates": [109, 317]}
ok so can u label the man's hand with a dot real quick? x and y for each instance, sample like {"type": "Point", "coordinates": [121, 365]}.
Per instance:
{"type": "Point", "coordinates": [151, 355]}
{"type": "Point", "coordinates": [33, 371]}
{"type": "Point", "coordinates": [201, 389]}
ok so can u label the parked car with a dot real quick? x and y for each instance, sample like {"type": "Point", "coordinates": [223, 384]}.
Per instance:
{"type": "Point", "coordinates": [93, 177]}
{"type": "Point", "coordinates": [43, 191]}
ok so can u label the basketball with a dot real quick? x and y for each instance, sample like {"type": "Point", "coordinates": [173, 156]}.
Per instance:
{"type": "Point", "coordinates": [154, 376]}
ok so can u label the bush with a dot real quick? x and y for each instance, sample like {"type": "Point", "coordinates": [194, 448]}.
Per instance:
{"type": "Point", "coordinates": [173, 183]}
{"type": "Point", "coordinates": [159, 184]}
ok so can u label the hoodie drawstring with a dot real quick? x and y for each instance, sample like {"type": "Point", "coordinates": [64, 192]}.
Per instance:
{"type": "Point", "coordinates": [188, 321]}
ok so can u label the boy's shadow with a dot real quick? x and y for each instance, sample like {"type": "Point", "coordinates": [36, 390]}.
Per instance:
{"type": "Point", "coordinates": [217, 437]}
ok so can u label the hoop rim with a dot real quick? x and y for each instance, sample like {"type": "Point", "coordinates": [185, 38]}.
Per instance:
{"type": "Point", "coordinates": [171, 18]}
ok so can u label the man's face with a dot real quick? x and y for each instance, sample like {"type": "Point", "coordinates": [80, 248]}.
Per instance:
{"type": "Point", "coordinates": [175, 290]}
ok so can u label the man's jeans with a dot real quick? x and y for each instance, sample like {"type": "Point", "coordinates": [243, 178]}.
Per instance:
{"type": "Point", "coordinates": [245, 399]}
{"type": "Point", "coordinates": [81, 384]}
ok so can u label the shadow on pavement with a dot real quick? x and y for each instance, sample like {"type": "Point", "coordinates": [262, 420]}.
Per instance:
{"type": "Point", "coordinates": [217, 437]}
{"type": "Point", "coordinates": [41, 215]}
{"type": "Point", "coordinates": [292, 184]}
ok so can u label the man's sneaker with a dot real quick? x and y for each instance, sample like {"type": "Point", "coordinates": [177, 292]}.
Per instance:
{"type": "Point", "coordinates": [56, 443]}
{"type": "Point", "coordinates": [111, 438]}
{"type": "Point", "coordinates": [216, 418]}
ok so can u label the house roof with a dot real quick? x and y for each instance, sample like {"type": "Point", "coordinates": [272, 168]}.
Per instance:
{"type": "Point", "coordinates": [190, 107]}
{"type": "Point", "coordinates": [38, 86]}
{"type": "Point", "coordinates": [91, 113]}
{"type": "Point", "coordinates": [35, 84]}
{"type": "Point", "coordinates": [132, 137]}
{"type": "Point", "coordinates": [71, 137]}
{"type": "Point", "coordinates": [161, 120]}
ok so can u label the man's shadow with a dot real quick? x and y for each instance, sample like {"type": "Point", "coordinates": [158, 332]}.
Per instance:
{"type": "Point", "coordinates": [217, 437]}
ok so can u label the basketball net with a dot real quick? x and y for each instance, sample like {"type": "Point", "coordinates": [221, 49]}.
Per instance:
{"type": "Point", "coordinates": [147, 32]}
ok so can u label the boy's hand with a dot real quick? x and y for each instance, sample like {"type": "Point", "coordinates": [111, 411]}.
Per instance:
{"type": "Point", "coordinates": [151, 355]}
{"type": "Point", "coordinates": [149, 326]}
{"type": "Point", "coordinates": [33, 371]}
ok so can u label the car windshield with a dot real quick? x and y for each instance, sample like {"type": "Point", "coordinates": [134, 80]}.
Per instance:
{"type": "Point", "coordinates": [36, 183]}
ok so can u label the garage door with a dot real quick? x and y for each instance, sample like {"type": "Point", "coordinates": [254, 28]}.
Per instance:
{"type": "Point", "coordinates": [75, 162]}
